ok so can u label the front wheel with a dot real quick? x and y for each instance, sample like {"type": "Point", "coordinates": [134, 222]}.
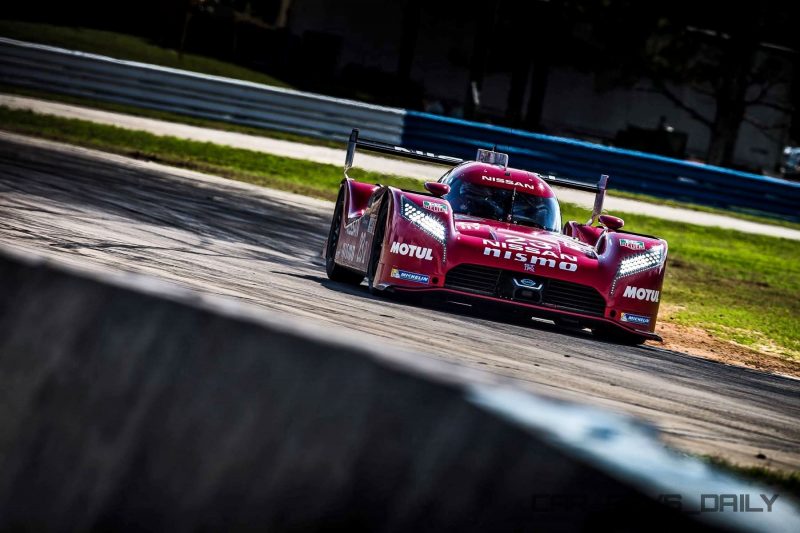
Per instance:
{"type": "Point", "coordinates": [337, 272]}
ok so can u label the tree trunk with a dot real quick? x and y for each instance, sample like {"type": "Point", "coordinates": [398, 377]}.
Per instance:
{"type": "Point", "coordinates": [737, 62]}
{"type": "Point", "coordinates": [485, 22]}
{"type": "Point", "coordinates": [730, 112]}
{"type": "Point", "coordinates": [725, 132]}
{"type": "Point", "coordinates": [523, 23]}
{"type": "Point", "coordinates": [543, 18]}
{"type": "Point", "coordinates": [516, 92]}
{"type": "Point", "coordinates": [408, 41]}
{"type": "Point", "coordinates": [538, 91]}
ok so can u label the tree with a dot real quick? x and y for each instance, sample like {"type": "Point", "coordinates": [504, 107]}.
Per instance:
{"type": "Point", "coordinates": [717, 49]}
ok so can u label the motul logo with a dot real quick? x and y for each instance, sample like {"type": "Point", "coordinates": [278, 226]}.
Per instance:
{"type": "Point", "coordinates": [412, 250]}
{"type": "Point", "coordinates": [641, 294]}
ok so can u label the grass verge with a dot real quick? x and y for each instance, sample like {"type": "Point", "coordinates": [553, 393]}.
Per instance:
{"type": "Point", "coordinates": [786, 482]}
{"type": "Point", "coordinates": [751, 216]}
{"type": "Point", "coordinates": [122, 46]}
{"type": "Point", "coordinates": [737, 286]}
{"type": "Point", "coordinates": [303, 177]}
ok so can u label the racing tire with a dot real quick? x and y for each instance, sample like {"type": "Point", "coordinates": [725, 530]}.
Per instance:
{"type": "Point", "coordinates": [617, 336]}
{"type": "Point", "coordinates": [377, 247]}
{"type": "Point", "coordinates": [337, 272]}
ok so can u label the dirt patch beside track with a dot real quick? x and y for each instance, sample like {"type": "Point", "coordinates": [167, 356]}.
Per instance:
{"type": "Point", "coordinates": [700, 343]}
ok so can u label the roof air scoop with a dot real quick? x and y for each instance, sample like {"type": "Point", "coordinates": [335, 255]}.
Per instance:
{"type": "Point", "coordinates": [490, 157]}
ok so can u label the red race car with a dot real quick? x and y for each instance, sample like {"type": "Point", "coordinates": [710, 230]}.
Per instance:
{"type": "Point", "coordinates": [486, 233]}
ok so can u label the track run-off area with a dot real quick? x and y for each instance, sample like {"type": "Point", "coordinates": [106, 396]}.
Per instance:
{"type": "Point", "coordinates": [263, 246]}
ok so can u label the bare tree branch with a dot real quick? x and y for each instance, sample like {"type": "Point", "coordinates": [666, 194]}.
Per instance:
{"type": "Point", "coordinates": [765, 129]}
{"type": "Point", "coordinates": [675, 99]}
{"type": "Point", "coordinates": [777, 107]}
{"type": "Point", "coordinates": [766, 87]}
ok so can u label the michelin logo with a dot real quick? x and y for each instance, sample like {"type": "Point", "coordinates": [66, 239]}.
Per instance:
{"type": "Point", "coordinates": [648, 295]}
{"type": "Point", "coordinates": [410, 276]}
{"type": "Point", "coordinates": [636, 319]}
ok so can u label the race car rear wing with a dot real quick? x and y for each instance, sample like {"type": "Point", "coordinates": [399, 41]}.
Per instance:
{"type": "Point", "coordinates": [429, 157]}
{"type": "Point", "coordinates": [391, 149]}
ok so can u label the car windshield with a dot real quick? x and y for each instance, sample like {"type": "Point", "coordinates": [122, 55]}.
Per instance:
{"type": "Point", "coordinates": [505, 205]}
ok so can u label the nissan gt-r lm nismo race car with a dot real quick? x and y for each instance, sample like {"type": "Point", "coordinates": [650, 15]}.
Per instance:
{"type": "Point", "coordinates": [485, 234]}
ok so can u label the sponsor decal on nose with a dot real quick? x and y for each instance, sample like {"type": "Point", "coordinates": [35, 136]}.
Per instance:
{"type": "Point", "coordinates": [434, 206]}
{"type": "Point", "coordinates": [411, 250]}
{"type": "Point", "coordinates": [633, 245]}
{"type": "Point", "coordinates": [635, 319]}
{"type": "Point", "coordinates": [410, 276]}
{"type": "Point", "coordinates": [636, 293]}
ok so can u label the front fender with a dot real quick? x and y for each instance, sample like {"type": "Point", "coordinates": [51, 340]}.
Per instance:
{"type": "Point", "coordinates": [637, 266]}
{"type": "Point", "coordinates": [415, 241]}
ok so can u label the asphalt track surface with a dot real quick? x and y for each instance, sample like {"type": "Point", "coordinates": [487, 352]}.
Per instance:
{"type": "Point", "coordinates": [264, 246]}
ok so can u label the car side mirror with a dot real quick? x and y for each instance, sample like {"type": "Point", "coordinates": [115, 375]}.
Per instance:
{"type": "Point", "coordinates": [436, 188]}
{"type": "Point", "coordinates": [612, 223]}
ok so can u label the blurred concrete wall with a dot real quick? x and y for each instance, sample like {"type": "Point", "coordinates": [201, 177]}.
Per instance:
{"type": "Point", "coordinates": [129, 404]}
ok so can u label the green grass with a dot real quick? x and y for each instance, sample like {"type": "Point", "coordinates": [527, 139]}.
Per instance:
{"type": "Point", "coordinates": [738, 286]}
{"type": "Point", "coordinates": [121, 46]}
{"type": "Point", "coordinates": [304, 177]}
{"type": "Point", "coordinates": [787, 482]}
{"type": "Point", "coordinates": [751, 216]}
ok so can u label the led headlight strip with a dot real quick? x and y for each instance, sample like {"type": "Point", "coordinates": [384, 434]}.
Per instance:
{"type": "Point", "coordinates": [427, 223]}
{"type": "Point", "coordinates": [638, 263]}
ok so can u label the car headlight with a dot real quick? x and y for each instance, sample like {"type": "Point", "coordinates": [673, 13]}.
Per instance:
{"type": "Point", "coordinates": [422, 220]}
{"type": "Point", "coordinates": [635, 264]}
{"type": "Point", "coordinates": [640, 262]}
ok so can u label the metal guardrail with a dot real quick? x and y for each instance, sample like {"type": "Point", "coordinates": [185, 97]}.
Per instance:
{"type": "Point", "coordinates": [240, 102]}
{"type": "Point", "coordinates": [629, 170]}
{"type": "Point", "coordinates": [190, 93]}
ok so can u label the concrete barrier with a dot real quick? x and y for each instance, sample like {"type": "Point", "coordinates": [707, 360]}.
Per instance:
{"type": "Point", "coordinates": [129, 403]}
